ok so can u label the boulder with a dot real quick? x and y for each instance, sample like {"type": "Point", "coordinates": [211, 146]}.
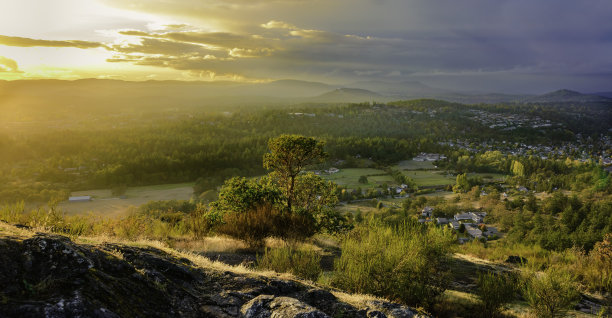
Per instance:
{"type": "Point", "coordinates": [265, 306]}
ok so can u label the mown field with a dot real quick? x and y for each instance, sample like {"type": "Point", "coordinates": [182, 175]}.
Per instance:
{"type": "Point", "coordinates": [104, 203]}
{"type": "Point", "coordinates": [349, 178]}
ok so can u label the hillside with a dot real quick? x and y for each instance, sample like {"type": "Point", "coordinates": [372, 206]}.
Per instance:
{"type": "Point", "coordinates": [568, 96]}
{"type": "Point", "coordinates": [349, 95]}
{"type": "Point", "coordinates": [45, 275]}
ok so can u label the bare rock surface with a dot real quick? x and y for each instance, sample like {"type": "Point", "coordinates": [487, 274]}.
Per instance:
{"type": "Point", "coordinates": [50, 276]}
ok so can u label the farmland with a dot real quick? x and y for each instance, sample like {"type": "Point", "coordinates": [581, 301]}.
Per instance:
{"type": "Point", "coordinates": [104, 203]}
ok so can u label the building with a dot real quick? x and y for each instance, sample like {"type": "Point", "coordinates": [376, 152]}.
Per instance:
{"type": "Point", "coordinates": [463, 216]}
{"type": "Point", "coordinates": [476, 217]}
{"type": "Point", "coordinates": [332, 170]}
{"type": "Point", "coordinates": [427, 212]}
{"type": "Point", "coordinates": [473, 231]}
{"type": "Point", "coordinates": [455, 225]}
{"type": "Point", "coordinates": [84, 198]}
{"type": "Point", "coordinates": [442, 221]}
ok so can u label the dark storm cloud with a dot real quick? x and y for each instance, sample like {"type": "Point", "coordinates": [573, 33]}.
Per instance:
{"type": "Point", "coordinates": [517, 43]}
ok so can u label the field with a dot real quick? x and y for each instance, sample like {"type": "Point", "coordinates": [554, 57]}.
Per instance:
{"type": "Point", "coordinates": [414, 165]}
{"type": "Point", "coordinates": [349, 178]}
{"type": "Point", "coordinates": [487, 177]}
{"type": "Point", "coordinates": [429, 178]}
{"type": "Point", "coordinates": [103, 203]}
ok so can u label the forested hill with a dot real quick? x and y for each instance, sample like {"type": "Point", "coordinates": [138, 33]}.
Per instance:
{"type": "Point", "coordinates": [183, 144]}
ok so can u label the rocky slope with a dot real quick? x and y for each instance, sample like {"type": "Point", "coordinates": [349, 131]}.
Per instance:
{"type": "Point", "coordinates": [45, 275]}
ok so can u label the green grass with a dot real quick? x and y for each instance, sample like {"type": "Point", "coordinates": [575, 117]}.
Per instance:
{"type": "Point", "coordinates": [414, 165]}
{"type": "Point", "coordinates": [488, 176]}
{"type": "Point", "coordinates": [349, 178]}
{"type": "Point", "coordinates": [429, 178]}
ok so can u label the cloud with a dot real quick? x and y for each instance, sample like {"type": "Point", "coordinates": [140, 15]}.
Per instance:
{"type": "Point", "coordinates": [274, 24]}
{"type": "Point", "coordinates": [8, 65]}
{"type": "Point", "coordinates": [28, 42]}
{"type": "Point", "coordinates": [347, 40]}
{"type": "Point", "coordinates": [165, 47]}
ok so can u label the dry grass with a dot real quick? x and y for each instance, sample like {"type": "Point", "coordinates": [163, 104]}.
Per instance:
{"type": "Point", "coordinates": [216, 244]}
{"type": "Point", "coordinates": [357, 300]}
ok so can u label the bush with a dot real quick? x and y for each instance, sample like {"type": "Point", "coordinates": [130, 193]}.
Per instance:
{"type": "Point", "coordinates": [301, 263]}
{"type": "Point", "coordinates": [255, 225]}
{"type": "Point", "coordinates": [119, 190]}
{"type": "Point", "coordinates": [332, 222]}
{"type": "Point", "coordinates": [495, 291]}
{"type": "Point", "coordinates": [408, 263]}
{"type": "Point", "coordinates": [550, 294]}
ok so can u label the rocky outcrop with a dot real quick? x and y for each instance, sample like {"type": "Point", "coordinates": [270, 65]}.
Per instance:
{"type": "Point", "coordinates": [51, 276]}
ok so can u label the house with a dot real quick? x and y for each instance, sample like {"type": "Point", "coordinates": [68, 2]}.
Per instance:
{"type": "Point", "coordinates": [427, 212]}
{"type": "Point", "coordinates": [423, 221]}
{"type": "Point", "coordinates": [442, 221]}
{"type": "Point", "coordinates": [463, 240]}
{"type": "Point", "coordinates": [455, 225]}
{"type": "Point", "coordinates": [332, 170]}
{"type": "Point", "coordinates": [473, 231]}
{"type": "Point", "coordinates": [84, 198]}
{"type": "Point", "coordinates": [490, 231]}
{"type": "Point", "coordinates": [463, 216]}
{"type": "Point", "coordinates": [476, 217]}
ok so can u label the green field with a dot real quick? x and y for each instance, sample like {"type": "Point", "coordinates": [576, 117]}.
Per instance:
{"type": "Point", "coordinates": [414, 165]}
{"type": "Point", "coordinates": [488, 176]}
{"type": "Point", "coordinates": [349, 178]}
{"type": "Point", "coordinates": [429, 178]}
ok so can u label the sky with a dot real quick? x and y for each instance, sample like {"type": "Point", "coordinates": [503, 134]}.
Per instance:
{"type": "Point", "coordinates": [512, 46]}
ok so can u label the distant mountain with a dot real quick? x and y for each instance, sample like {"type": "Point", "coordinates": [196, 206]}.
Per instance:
{"type": "Point", "coordinates": [401, 90]}
{"type": "Point", "coordinates": [492, 98]}
{"type": "Point", "coordinates": [604, 94]}
{"type": "Point", "coordinates": [58, 97]}
{"type": "Point", "coordinates": [350, 95]}
{"type": "Point", "coordinates": [284, 89]}
{"type": "Point", "coordinates": [566, 96]}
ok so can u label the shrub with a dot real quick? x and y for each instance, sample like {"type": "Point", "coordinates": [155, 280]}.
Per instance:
{"type": "Point", "coordinates": [132, 227]}
{"type": "Point", "coordinates": [255, 225]}
{"type": "Point", "coordinates": [201, 221]}
{"type": "Point", "coordinates": [252, 226]}
{"type": "Point", "coordinates": [550, 294]}
{"type": "Point", "coordinates": [332, 222]}
{"type": "Point", "coordinates": [301, 263]}
{"type": "Point", "coordinates": [495, 291]}
{"type": "Point", "coordinates": [408, 263]}
{"type": "Point", "coordinates": [119, 190]}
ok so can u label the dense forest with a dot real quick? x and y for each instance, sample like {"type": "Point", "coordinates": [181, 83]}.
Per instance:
{"type": "Point", "coordinates": [44, 163]}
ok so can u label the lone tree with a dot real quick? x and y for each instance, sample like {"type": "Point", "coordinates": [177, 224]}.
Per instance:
{"type": "Point", "coordinates": [286, 203]}
{"type": "Point", "coordinates": [288, 156]}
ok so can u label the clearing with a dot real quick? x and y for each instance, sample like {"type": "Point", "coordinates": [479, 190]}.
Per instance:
{"type": "Point", "coordinates": [104, 203]}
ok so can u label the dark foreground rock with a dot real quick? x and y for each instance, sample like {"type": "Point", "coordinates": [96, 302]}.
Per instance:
{"type": "Point", "coordinates": [50, 276]}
